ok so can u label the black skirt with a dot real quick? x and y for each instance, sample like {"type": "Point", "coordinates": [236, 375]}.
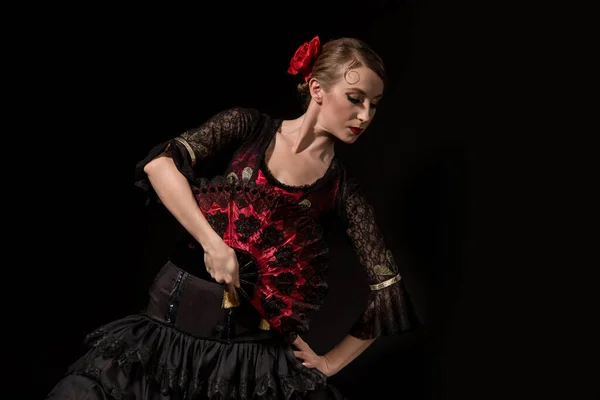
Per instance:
{"type": "Point", "coordinates": [186, 346]}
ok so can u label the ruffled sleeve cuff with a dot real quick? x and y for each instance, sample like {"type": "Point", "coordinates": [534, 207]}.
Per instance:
{"type": "Point", "coordinates": [388, 311]}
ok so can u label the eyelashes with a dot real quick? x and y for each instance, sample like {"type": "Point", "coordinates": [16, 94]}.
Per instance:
{"type": "Point", "coordinates": [354, 100]}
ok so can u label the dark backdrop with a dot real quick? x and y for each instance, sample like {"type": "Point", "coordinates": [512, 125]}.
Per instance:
{"type": "Point", "coordinates": [111, 82]}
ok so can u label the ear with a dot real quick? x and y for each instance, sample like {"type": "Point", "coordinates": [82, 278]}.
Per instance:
{"type": "Point", "coordinates": [316, 91]}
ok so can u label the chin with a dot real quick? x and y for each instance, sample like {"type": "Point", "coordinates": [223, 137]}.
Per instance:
{"type": "Point", "coordinates": [350, 138]}
{"type": "Point", "coordinates": [346, 137]}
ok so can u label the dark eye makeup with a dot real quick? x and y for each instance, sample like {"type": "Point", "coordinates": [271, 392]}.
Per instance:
{"type": "Point", "coordinates": [354, 100]}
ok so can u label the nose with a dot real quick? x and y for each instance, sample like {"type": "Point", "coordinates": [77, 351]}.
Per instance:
{"type": "Point", "coordinates": [365, 115]}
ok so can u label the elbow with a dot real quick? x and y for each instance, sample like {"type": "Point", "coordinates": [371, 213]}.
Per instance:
{"type": "Point", "coordinates": [158, 163]}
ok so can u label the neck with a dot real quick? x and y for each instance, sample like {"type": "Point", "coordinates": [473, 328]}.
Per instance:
{"type": "Point", "coordinates": [309, 138]}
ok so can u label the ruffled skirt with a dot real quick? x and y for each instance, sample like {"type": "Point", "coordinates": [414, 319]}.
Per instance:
{"type": "Point", "coordinates": [186, 346]}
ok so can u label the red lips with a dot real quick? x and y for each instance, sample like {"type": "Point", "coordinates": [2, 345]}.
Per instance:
{"type": "Point", "coordinates": [356, 131]}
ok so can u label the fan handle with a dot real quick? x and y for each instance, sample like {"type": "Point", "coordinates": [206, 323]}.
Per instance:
{"type": "Point", "coordinates": [230, 298]}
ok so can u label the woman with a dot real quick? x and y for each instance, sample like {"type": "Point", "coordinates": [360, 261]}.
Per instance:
{"type": "Point", "coordinates": [226, 309]}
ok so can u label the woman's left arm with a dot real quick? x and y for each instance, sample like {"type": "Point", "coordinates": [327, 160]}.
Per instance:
{"type": "Point", "coordinates": [337, 358]}
{"type": "Point", "coordinates": [387, 311]}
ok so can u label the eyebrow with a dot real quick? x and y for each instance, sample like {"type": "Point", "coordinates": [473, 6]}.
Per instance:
{"type": "Point", "coordinates": [364, 93]}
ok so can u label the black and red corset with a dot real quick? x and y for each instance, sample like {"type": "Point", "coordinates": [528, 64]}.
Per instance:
{"type": "Point", "coordinates": [278, 242]}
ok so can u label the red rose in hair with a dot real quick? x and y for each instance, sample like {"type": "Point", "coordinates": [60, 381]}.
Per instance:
{"type": "Point", "coordinates": [304, 58]}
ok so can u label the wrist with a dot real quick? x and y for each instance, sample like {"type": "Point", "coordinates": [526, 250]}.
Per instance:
{"type": "Point", "coordinates": [329, 367]}
{"type": "Point", "coordinates": [210, 242]}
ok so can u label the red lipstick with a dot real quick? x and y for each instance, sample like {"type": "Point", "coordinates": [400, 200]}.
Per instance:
{"type": "Point", "coordinates": [356, 131]}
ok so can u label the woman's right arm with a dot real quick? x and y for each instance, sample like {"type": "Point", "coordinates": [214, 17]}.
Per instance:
{"type": "Point", "coordinates": [174, 191]}
{"type": "Point", "coordinates": [170, 167]}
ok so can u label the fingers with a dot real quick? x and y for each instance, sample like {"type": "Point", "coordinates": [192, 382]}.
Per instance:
{"type": "Point", "coordinates": [235, 276]}
{"type": "Point", "coordinates": [232, 281]}
{"type": "Point", "coordinates": [219, 276]}
{"type": "Point", "coordinates": [229, 283]}
{"type": "Point", "coordinates": [224, 268]}
{"type": "Point", "coordinates": [299, 343]}
{"type": "Point", "coordinates": [300, 355]}
{"type": "Point", "coordinates": [304, 358]}
{"type": "Point", "coordinates": [230, 287]}
{"type": "Point", "coordinates": [304, 353]}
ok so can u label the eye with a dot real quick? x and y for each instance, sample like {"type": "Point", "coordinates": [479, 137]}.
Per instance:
{"type": "Point", "coordinates": [353, 100]}
{"type": "Point", "coordinates": [373, 105]}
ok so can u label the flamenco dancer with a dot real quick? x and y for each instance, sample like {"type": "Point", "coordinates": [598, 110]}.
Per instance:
{"type": "Point", "coordinates": [227, 311]}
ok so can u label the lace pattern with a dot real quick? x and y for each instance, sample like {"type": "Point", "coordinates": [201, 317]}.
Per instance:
{"type": "Point", "coordinates": [137, 346]}
{"type": "Point", "coordinates": [218, 137]}
{"type": "Point", "coordinates": [386, 311]}
{"type": "Point", "coordinates": [224, 129]}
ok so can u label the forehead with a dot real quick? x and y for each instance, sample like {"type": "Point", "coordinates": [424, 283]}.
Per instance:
{"type": "Point", "coordinates": [362, 79]}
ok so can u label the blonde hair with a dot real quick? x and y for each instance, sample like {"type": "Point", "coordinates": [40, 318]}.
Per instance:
{"type": "Point", "coordinates": [335, 59]}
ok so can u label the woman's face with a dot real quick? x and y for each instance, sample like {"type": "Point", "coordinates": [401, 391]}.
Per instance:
{"type": "Point", "coordinates": [349, 106]}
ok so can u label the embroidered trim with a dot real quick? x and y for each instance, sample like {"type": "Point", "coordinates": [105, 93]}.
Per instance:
{"type": "Point", "coordinates": [385, 284]}
{"type": "Point", "coordinates": [189, 149]}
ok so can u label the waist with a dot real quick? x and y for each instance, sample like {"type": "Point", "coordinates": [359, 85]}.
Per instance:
{"type": "Point", "coordinates": [195, 306]}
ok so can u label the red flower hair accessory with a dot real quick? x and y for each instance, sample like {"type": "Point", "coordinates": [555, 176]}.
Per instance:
{"type": "Point", "coordinates": [304, 58]}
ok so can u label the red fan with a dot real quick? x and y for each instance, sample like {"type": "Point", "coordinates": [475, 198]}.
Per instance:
{"type": "Point", "coordinates": [280, 247]}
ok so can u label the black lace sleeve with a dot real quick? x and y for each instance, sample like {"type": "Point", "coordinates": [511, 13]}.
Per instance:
{"type": "Point", "coordinates": [387, 309]}
{"type": "Point", "coordinates": [224, 132]}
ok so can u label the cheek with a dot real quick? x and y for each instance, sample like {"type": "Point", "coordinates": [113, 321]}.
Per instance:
{"type": "Point", "coordinates": [342, 108]}
{"type": "Point", "coordinates": [340, 111]}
